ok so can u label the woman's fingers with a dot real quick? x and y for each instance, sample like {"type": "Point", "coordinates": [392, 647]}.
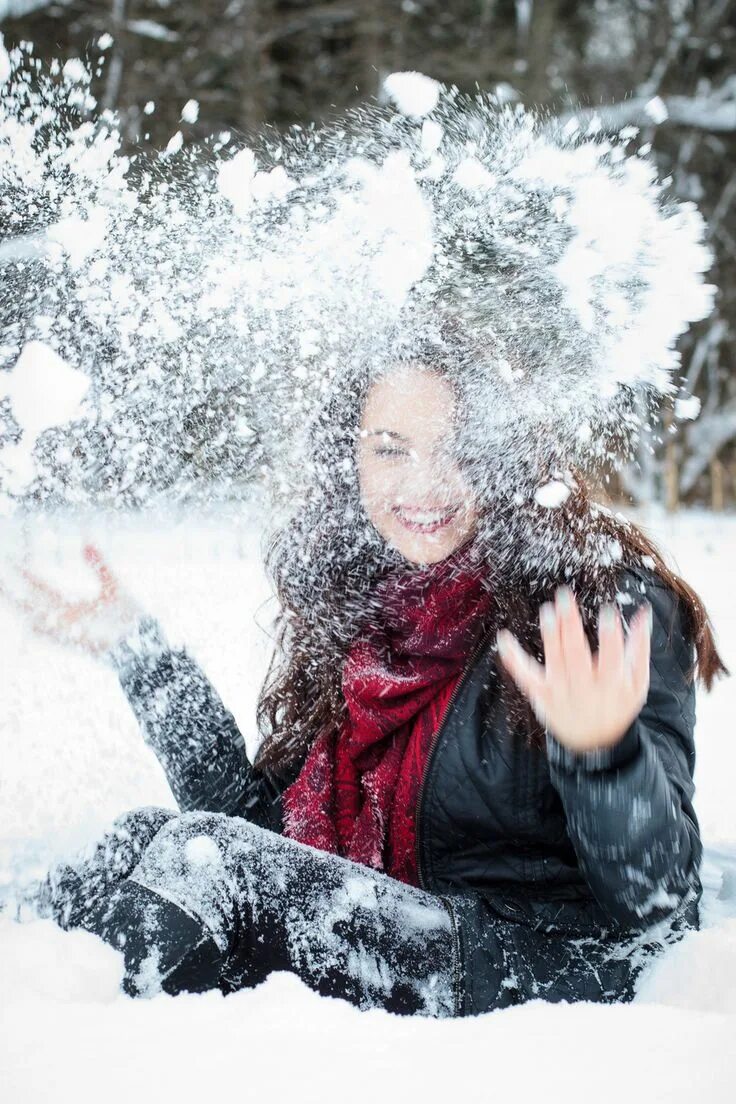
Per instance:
{"type": "Point", "coordinates": [527, 673]}
{"type": "Point", "coordinates": [53, 607]}
{"type": "Point", "coordinates": [94, 558]}
{"type": "Point", "coordinates": [576, 655]}
{"type": "Point", "coordinates": [610, 659]}
{"type": "Point", "coordinates": [49, 611]}
{"type": "Point", "coordinates": [637, 651]}
{"type": "Point", "coordinates": [70, 612]}
{"type": "Point", "coordinates": [554, 660]}
{"type": "Point", "coordinates": [49, 594]}
{"type": "Point", "coordinates": [43, 619]}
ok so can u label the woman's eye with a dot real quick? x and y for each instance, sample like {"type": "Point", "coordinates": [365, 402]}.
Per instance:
{"type": "Point", "coordinates": [388, 450]}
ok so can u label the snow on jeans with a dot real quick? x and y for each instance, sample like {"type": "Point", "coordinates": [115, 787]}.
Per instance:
{"type": "Point", "coordinates": [202, 900]}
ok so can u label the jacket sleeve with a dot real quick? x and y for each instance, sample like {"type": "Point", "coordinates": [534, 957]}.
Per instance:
{"type": "Point", "coordinates": [194, 737]}
{"type": "Point", "coordinates": [629, 808]}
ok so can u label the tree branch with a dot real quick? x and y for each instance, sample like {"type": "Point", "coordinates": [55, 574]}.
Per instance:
{"type": "Point", "coordinates": [705, 113]}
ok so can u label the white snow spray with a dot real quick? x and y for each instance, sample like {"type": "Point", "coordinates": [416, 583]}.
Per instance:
{"type": "Point", "coordinates": [229, 303]}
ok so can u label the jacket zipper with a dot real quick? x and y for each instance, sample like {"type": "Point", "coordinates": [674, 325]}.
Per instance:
{"type": "Point", "coordinates": [433, 744]}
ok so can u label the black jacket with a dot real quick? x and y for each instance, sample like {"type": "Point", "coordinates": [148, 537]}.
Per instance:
{"type": "Point", "coordinates": [537, 853]}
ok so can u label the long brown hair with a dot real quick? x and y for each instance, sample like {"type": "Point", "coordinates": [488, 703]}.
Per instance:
{"type": "Point", "coordinates": [324, 564]}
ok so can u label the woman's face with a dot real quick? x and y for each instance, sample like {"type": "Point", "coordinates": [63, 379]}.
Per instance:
{"type": "Point", "coordinates": [411, 486]}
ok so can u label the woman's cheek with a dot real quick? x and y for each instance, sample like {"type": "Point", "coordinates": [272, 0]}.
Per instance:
{"type": "Point", "coordinates": [379, 488]}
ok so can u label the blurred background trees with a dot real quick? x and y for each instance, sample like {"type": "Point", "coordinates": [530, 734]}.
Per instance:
{"type": "Point", "coordinates": [667, 66]}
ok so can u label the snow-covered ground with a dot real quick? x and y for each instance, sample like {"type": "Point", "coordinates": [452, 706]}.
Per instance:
{"type": "Point", "coordinates": [72, 758]}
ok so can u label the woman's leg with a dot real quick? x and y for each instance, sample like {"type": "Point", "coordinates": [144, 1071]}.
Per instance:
{"type": "Point", "coordinates": [70, 890]}
{"type": "Point", "coordinates": [93, 892]}
{"type": "Point", "coordinates": [216, 901]}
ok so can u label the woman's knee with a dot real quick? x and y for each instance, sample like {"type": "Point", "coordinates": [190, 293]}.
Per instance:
{"type": "Point", "coordinates": [189, 863]}
{"type": "Point", "coordinates": [198, 847]}
{"type": "Point", "coordinates": [142, 823]}
{"type": "Point", "coordinates": [199, 835]}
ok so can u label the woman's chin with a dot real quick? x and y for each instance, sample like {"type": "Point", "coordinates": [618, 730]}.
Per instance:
{"type": "Point", "coordinates": [423, 549]}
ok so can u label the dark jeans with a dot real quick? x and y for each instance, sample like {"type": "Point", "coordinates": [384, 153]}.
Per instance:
{"type": "Point", "coordinates": [201, 900]}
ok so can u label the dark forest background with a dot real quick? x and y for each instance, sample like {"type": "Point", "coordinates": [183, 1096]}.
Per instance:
{"type": "Point", "coordinates": [250, 62]}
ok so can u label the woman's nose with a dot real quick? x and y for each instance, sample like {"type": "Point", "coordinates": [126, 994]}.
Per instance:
{"type": "Point", "coordinates": [431, 479]}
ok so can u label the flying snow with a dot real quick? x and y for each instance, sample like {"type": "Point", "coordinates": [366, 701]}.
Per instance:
{"type": "Point", "coordinates": [413, 93]}
{"type": "Point", "coordinates": [687, 408]}
{"type": "Point", "coordinates": [190, 111]}
{"type": "Point", "coordinates": [5, 68]}
{"type": "Point", "coordinates": [219, 286]}
{"type": "Point", "coordinates": [43, 392]}
{"type": "Point", "coordinates": [552, 494]}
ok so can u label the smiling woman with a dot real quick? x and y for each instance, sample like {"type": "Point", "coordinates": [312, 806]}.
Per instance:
{"type": "Point", "coordinates": [412, 487]}
{"type": "Point", "coordinates": [433, 824]}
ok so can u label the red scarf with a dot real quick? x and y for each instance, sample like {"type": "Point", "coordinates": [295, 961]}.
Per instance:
{"type": "Point", "coordinates": [355, 795]}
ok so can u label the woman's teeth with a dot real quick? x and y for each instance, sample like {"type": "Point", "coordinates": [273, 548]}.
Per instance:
{"type": "Point", "coordinates": [425, 519]}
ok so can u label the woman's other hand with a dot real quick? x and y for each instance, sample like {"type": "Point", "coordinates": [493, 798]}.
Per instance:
{"type": "Point", "coordinates": [586, 701]}
{"type": "Point", "coordinates": [93, 625]}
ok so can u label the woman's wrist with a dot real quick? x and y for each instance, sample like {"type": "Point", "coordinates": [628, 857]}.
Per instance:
{"type": "Point", "coordinates": [607, 757]}
{"type": "Point", "coordinates": [142, 638]}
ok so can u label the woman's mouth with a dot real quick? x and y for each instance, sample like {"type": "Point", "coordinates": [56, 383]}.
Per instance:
{"type": "Point", "coordinates": [425, 521]}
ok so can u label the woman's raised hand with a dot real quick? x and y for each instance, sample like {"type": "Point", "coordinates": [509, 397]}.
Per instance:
{"type": "Point", "coordinates": [93, 624]}
{"type": "Point", "coordinates": [586, 701]}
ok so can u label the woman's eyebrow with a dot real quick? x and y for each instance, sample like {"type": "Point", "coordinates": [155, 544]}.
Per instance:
{"type": "Point", "coordinates": [384, 432]}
